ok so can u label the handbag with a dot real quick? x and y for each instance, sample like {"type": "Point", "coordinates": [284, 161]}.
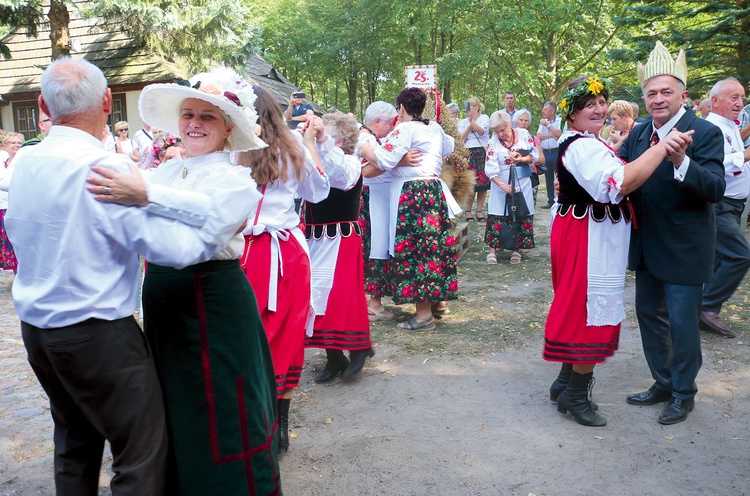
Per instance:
{"type": "Point", "coordinates": [515, 209]}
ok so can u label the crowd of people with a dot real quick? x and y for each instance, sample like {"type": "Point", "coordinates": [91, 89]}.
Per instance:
{"type": "Point", "coordinates": [239, 278]}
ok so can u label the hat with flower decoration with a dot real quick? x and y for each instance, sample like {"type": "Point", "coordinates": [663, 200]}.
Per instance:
{"type": "Point", "coordinates": [661, 63]}
{"type": "Point", "coordinates": [590, 86]}
{"type": "Point", "coordinates": [159, 104]}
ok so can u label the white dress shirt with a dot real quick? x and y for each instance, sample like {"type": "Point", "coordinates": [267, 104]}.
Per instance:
{"type": "Point", "coordinates": [736, 170]}
{"type": "Point", "coordinates": [550, 143]}
{"type": "Point", "coordinates": [77, 257]}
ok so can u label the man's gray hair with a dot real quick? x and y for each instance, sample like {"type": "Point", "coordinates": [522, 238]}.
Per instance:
{"type": "Point", "coordinates": [719, 87]}
{"type": "Point", "coordinates": [636, 108]}
{"type": "Point", "coordinates": [550, 104]}
{"type": "Point", "coordinates": [379, 110]}
{"type": "Point", "coordinates": [71, 87]}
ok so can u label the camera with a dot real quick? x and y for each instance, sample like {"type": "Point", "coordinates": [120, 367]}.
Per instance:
{"type": "Point", "coordinates": [299, 95]}
{"type": "Point", "coordinates": [467, 106]}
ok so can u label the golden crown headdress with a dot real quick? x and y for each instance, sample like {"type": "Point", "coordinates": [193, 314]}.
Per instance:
{"type": "Point", "coordinates": [660, 63]}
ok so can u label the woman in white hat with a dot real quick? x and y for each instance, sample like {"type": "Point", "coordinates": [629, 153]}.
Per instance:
{"type": "Point", "coordinates": [202, 321]}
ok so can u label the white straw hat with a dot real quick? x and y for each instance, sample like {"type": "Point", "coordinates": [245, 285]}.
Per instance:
{"type": "Point", "coordinates": [159, 105]}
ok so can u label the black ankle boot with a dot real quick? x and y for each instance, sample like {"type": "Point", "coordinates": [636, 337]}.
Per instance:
{"type": "Point", "coordinates": [357, 361]}
{"type": "Point", "coordinates": [283, 429]}
{"type": "Point", "coordinates": [575, 399]}
{"type": "Point", "coordinates": [561, 383]}
{"type": "Point", "coordinates": [337, 362]}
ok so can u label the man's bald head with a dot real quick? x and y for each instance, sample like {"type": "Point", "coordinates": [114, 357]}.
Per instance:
{"type": "Point", "coordinates": [72, 87]}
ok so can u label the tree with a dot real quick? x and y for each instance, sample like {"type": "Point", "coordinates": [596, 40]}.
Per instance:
{"type": "Point", "coordinates": [715, 35]}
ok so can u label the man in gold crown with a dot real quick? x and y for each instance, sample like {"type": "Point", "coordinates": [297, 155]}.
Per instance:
{"type": "Point", "coordinates": [672, 248]}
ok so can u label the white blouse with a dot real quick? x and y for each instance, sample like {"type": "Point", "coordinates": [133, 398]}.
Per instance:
{"type": "Point", "coordinates": [594, 166]}
{"type": "Point", "coordinates": [428, 139]}
{"type": "Point", "coordinates": [474, 139]}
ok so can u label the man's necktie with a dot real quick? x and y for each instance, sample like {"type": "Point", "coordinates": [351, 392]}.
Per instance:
{"type": "Point", "coordinates": [655, 139]}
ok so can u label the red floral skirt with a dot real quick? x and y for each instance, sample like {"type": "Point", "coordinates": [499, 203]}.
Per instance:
{"type": "Point", "coordinates": [377, 272]}
{"type": "Point", "coordinates": [424, 261]}
{"type": "Point", "coordinates": [495, 224]}
{"type": "Point", "coordinates": [7, 256]}
{"type": "Point", "coordinates": [477, 158]}
{"type": "Point", "coordinates": [567, 338]}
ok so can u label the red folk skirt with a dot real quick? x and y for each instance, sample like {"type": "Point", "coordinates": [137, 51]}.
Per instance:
{"type": "Point", "coordinates": [567, 338]}
{"type": "Point", "coordinates": [345, 325]}
{"type": "Point", "coordinates": [285, 328]}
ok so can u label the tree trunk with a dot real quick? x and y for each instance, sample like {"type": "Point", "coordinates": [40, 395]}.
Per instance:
{"type": "Point", "coordinates": [59, 22]}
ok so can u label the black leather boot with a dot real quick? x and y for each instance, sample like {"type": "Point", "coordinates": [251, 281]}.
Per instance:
{"type": "Point", "coordinates": [357, 361]}
{"type": "Point", "coordinates": [283, 428]}
{"type": "Point", "coordinates": [561, 383]}
{"type": "Point", "coordinates": [337, 362]}
{"type": "Point", "coordinates": [575, 399]}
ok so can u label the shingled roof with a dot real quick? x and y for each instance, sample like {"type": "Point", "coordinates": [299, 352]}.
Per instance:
{"type": "Point", "coordinates": [125, 62]}
{"type": "Point", "coordinates": [261, 73]}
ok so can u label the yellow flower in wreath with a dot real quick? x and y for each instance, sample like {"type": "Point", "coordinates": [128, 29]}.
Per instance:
{"type": "Point", "coordinates": [563, 105]}
{"type": "Point", "coordinates": [595, 85]}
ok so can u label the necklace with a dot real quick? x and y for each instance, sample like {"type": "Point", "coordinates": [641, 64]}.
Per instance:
{"type": "Point", "coordinates": [512, 139]}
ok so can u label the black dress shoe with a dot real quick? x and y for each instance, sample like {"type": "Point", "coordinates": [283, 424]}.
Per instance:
{"type": "Point", "coordinates": [711, 322]}
{"type": "Point", "coordinates": [548, 205]}
{"type": "Point", "coordinates": [651, 397]}
{"type": "Point", "coordinates": [357, 359]}
{"type": "Point", "coordinates": [676, 410]}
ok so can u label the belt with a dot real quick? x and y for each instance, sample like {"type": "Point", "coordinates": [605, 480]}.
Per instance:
{"type": "Point", "coordinates": [549, 149]}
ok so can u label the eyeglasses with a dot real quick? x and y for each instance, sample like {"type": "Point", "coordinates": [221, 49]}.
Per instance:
{"type": "Point", "coordinates": [126, 129]}
{"type": "Point", "coordinates": [15, 142]}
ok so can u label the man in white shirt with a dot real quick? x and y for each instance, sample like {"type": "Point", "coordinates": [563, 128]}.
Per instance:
{"type": "Point", "coordinates": [732, 248]}
{"type": "Point", "coordinates": [550, 129]}
{"type": "Point", "coordinates": [77, 289]}
{"type": "Point", "coordinates": [510, 105]}
{"type": "Point", "coordinates": [143, 139]}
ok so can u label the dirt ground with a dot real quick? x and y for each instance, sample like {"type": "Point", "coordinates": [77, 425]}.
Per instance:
{"type": "Point", "coordinates": [463, 410]}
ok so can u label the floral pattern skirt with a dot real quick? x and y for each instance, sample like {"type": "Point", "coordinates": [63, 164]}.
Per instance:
{"type": "Point", "coordinates": [495, 225]}
{"type": "Point", "coordinates": [424, 261]}
{"type": "Point", "coordinates": [377, 272]}
{"type": "Point", "coordinates": [477, 157]}
{"type": "Point", "coordinates": [7, 256]}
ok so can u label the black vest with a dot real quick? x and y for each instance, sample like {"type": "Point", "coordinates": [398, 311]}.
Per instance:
{"type": "Point", "coordinates": [340, 206]}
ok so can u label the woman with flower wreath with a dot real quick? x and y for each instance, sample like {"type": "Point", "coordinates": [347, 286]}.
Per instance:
{"type": "Point", "coordinates": [509, 149]}
{"type": "Point", "coordinates": [421, 244]}
{"type": "Point", "coordinates": [589, 240]}
{"type": "Point", "coordinates": [276, 259]}
{"type": "Point", "coordinates": [475, 131]}
{"type": "Point", "coordinates": [202, 321]}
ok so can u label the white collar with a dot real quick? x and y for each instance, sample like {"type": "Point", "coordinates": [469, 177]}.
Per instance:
{"type": "Point", "coordinates": [666, 128]}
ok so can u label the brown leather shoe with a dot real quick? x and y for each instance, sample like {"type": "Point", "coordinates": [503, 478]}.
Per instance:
{"type": "Point", "coordinates": [711, 322]}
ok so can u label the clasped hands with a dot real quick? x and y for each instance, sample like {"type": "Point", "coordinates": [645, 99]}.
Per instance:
{"type": "Point", "coordinates": [676, 144]}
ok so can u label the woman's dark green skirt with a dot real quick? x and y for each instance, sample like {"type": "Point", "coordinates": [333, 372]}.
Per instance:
{"type": "Point", "coordinates": [217, 378]}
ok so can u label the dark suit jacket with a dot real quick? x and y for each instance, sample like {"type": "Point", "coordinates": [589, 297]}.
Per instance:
{"type": "Point", "coordinates": [676, 223]}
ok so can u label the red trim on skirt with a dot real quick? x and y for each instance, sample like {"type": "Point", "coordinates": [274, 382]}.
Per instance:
{"type": "Point", "coordinates": [345, 325]}
{"type": "Point", "coordinates": [285, 328]}
{"type": "Point", "coordinates": [567, 338]}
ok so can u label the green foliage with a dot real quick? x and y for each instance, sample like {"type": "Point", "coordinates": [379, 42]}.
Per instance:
{"type": "Point", "coordinates": [25, 15]}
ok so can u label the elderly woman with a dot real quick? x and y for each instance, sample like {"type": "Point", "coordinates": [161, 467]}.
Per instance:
{"type": "Point", "coordinates": [202, 321]}
{"type": "Point", "coordinates": [11, 144]}
{"type": "Point", "coordinates": [373, 214]}
{"type": "Point", "coordinates": [522, 120]}
{"type": "Point", "coordinates": [421, 244]}
{"type": "Point", "coordinates": [623, 120]}
{"type": "Point", "coordinates": [454, 110]}
{"type": "Point", "coordinates": [589, 245]}
{"type": "Point", "coordinates": [475, 131]}
{"type": "Point", "coordinates": [509, 149]}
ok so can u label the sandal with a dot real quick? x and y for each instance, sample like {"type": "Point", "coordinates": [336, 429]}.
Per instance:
{"type": "Point", "coordinates": [374, 315]}
{"type": "Point", "coordinates": [481, 218]}
{"type": "Point", "coordinates": [469, 218]}
{"type": "Point", "coordinates": [414, 325]}
{"type": "Point", "coordinates": [438, 312]}
{"type": "Point", "coordinates": [515, 258]}
{"type": "Point", "coordinates": [491, 259]}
